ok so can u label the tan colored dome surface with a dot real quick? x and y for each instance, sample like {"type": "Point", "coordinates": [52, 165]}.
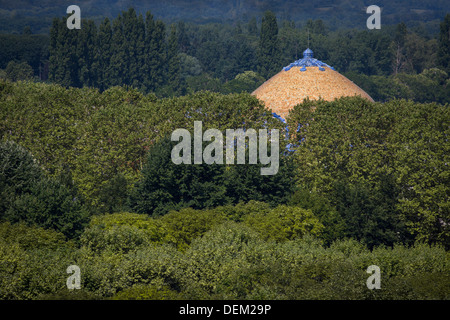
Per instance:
{"type": "Point", "coordinates": [288, 88]}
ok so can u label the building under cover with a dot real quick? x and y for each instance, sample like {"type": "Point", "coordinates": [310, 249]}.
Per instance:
{"type": "Point", "coordinates": [305, 78]}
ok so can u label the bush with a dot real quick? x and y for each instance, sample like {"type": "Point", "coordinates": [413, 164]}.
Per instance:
{"type": "Point", "coordinates": [182, 227]}
{"type": "Point", "coordinates": [31, 237]}
{"type": "Point", "coordinates": [284, 223]}
{"type": "Point", "coordinates": [26, 274]}
{"type": "Point", "coordinates": [120, 232]}
{"type": "Point", "coordinates": [108, 273]}
{"type": "Point", "coordinates": [211, 259]}
{"type": "Point", "coordinates": [147, 292]}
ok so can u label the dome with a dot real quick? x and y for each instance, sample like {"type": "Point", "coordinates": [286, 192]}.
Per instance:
{"type": "Point", "coordinates": [305, 78]}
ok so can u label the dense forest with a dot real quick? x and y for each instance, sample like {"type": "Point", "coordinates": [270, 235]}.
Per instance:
{"type": "Point", "coordinates": [146, 53]}
{"type": "Point", "coordinates": [86, 176]}
{"type": "Point", "coordinates": [87, 179]}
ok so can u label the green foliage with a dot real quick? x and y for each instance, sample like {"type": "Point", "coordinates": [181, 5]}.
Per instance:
{"type": "Point", "coordinates": [355, 141]}
{"type": "Point", "coordinates": [25, 51]}
{"type": "Point", "coordinates": [174, 80]}
{"type": "Point", "coordinates": [114, 194]}
{"type": "Point", "coordinates": [268, 53]}
{"type": "Point", "coordinates": [182, 227]}
{"type": "Point", "coordinates": [147, 292]}
{"type": "Point", "coordinates": [212, 258]}
{"type": "Point", "coordinates": [333, 223]}
{"type": "Point", "coordinates": [371, 179]}
{"type": "Point", "coordinates": [120, 232]}
{"type": "Point", "coordinates": [29, 238]}
{"type": "Point", "coordinates": [370, 215]}
{"type": "Point", "coordinates": [444, 44]}
{"type": "Point", "coordinates": [238, 212]}
{"type": "Point", "coordinates": [247, 81]}
{"type": "Point", "coordinates": [229, 261]}
{"type": "Point", "coordinates": [109, 146]}
{"type": "Point", "coordinates": [19, 171]}
{"type": "Point", "coordinates": [21, 271]}
{"type": "Point", "coordinates": [166, 186]}
{"type": "Point", "coordinates": [50, 205]}
{"type": "Point", "coordinates": [107, 273]}
{"type": "Point", "coordinates": [18, 71]}
{"type": "Point", "coordinates": [284, 223]}
{"type": "Point", "coordinates": [35, 199]}
{"type": "Point", "coordinates": [45, 119]}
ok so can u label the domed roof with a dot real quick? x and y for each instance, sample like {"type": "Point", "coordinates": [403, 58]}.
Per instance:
{"type": "Point", "coordinates": [305, 78]}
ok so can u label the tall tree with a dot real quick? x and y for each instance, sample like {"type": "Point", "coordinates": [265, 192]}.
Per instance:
{"type": "Point", "coordinates": [444, 44]}
{"type": "Point", "coordinates": [155, 53]}
{"type": "Point", "coordinates": [63, 67]}
{"type": "Point", "coordinates": [133, 29]}
{"type": "Point", "coordinates": [104, 52]}
{"type": "Point", "coordinates": [252, 27]}
{"type": "Point", "coordinates": [173, 63]}
{"type": "Point", "coordinates": [87, 54]}
{"type": "Point", "coordinates": [268, 57]}
{"type": "Point", "coordinates": [399, 47]}
{"type": "Point", "coordinates": [118, 63]}
{"type": "Point", "coordinates": [183, 38]}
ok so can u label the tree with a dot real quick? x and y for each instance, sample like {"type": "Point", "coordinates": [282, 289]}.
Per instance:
{"type": "Point", "coordinates": [166, 186]}
{"type": "Point", "coordinates": [134, 33]}
{"type": "Point", "coordinates": [118, 61]}
{"type": "Point", "coordinates": [268, 55]}
{"type": "Point", "coordinates": [19, 71]}
{"type": "Point", "coordinates": [370, 215]}
{"type": "Point", "coordinates": [399, 47]}
{"type": "Point", "coordinates": [104, 54]}
{"type": "Point", "coordinates": [113, 195]}
{"type": "Point", "coordinates": [252, 27]}
{"type": "Point", "coordinates": [50, 205]}
{"type": "Point", "coordinates": [88, 55]}
{"type": "Point", "coordinates": [284, 223]}
{"type": "Point", "coordinates": [247, 81]}
{"type": "Point", "coordinates": [316, 27]}
{"type": "Point", "coordinates": [18, 172]}
{"type": "Point", "coordinates": [174, 79]}
{"type": "Point", "coordinates": [155, 53]}
{"type": "Point", "coordinates": [183, 38]}
{"type": "Point", "coordinates": [444, 44]}
{"type": "Point", "coordinates": [362, 143]}
{"type": "Point", "coordinates": [33, 198]}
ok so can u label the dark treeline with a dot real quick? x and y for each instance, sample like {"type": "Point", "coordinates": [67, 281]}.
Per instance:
{"type": "Point", "coordinates": [338, 14]}
{"type": "Point", "coordinates": [146, 53]}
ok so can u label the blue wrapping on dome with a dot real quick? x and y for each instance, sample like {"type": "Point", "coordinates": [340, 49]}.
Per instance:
{"type": "Point", "coordinates": [308, 61]}
{"type": "Point", "coordinates": [278, 117]}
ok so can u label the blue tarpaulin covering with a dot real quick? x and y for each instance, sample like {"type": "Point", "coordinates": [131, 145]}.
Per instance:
{"type": "Point", "coordinates": [308, 61]}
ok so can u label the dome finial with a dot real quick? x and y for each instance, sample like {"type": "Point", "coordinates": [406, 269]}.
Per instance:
{"type": "Point", "coordinates": [308, 53]}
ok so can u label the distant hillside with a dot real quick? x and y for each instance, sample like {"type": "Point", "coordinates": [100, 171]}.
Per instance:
{"type": "Point", "coordinates": [15, 15]}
